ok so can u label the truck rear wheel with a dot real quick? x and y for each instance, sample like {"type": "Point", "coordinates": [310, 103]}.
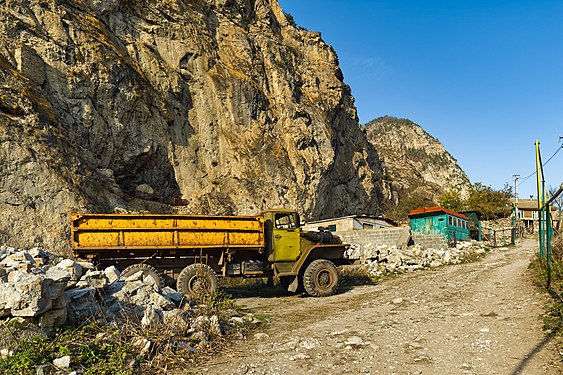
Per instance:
{"type": "Point", "coordinates": [147, 270]}
{"type": "Point", "coordinates": [197, 280]}
{"type": "Point", "coordinates": [321, 278]}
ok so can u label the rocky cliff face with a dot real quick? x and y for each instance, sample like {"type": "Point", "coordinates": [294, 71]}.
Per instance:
{"type": "Point", "coordinates": [133, 104]}
{"type": "Point", "coordinates": [415, 163]}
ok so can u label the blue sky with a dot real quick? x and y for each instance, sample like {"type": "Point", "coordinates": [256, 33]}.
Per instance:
{"type": "Point", "coordinates": [484, 77]}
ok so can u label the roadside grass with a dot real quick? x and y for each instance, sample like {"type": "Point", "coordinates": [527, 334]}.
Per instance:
{"type": "Point", "coordinates": [128, 347]}
{"type": "Point", "coordinates": [552, 281]}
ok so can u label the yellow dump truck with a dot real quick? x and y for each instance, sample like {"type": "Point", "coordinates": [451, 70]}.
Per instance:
{"type": "Point", "coordinates": [194, 249]}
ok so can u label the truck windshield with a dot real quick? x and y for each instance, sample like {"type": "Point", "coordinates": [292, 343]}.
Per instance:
{"type": "Point", "coordinates": [286, 221]}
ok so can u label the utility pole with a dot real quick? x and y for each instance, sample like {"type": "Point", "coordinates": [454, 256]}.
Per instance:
{"type": "Point", "coordinates": [516, 220]}
{"type": "Point", "coordinates": [516, 186]}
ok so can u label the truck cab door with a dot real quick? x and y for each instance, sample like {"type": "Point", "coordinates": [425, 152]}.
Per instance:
{"type": "Point", "coordinates": [286, 238]}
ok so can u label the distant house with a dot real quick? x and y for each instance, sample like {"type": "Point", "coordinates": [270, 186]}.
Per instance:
{"type": "Point", "coordinates": [527, 210]}
{"type": "Point", "coordinates": [353, 222]}
{"type": "Point", "coordinates": [438, 220]}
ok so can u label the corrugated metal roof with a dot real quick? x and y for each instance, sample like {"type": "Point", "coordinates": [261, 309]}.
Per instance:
{"type": "Point", "coordinates": [436, 210]}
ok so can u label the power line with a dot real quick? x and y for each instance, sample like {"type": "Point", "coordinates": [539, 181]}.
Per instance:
{"type": "Point", "coordinates": [548, 160]}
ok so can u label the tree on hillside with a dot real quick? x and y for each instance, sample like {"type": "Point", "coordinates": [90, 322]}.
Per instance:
{"type": "Point", "coordinates": [401, 212]}
{"type": "Point", "coordinates": [452, 200]}
{"type": "Point", "coordinates": [490, 202]}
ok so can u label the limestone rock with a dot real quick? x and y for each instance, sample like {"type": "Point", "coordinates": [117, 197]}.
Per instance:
{"type": "Point", "coordinates": [234, 111]}
{"type": "Point", "coordinates": [73, 268]}
{"type": "Point", "coordinates": [30, 294]}
{"type": "Point", "coordinates": [62, 363]}
{"type": "Point", "coordinates": [152, 317]}
{"type": "Point", "coordinates": [112, 274]}
{"type": "Point", "coordinates": [83, 305]}
{"type": "Point", "coordinates": [95, 279]}
{"type": "Point", "coordinates": [53, 318]}
{"type": "Point", "coordinates": [416, 163]}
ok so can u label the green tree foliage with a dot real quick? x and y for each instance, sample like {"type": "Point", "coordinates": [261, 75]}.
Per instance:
{"type": "Point", "coordinates": [400, 213]}
{"type": "Point", "coordinates": [452, 200]}
{"type": "Point", "coordinates": [490, 202]}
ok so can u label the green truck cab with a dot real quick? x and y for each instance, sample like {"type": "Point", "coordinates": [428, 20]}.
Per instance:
{"type": "Point", "coordinates": [302, 259]}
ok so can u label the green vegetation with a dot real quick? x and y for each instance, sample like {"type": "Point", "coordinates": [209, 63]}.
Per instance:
{"type": "Point", "coordinates": [292, 22]}
{"type": "Point", "coordinates": [422, 156]}
{"type": "Point", "coordinates": [290, 19]}
{"type": "Point", "coordinates": [490, 202]}
{"type": "Point", "coordinates": [95, 349]}
{"type": "Point", "coordinates": [405, 206]}
{"type": "Point", "coordinates": [551, 279]}
{"type": "Point", "coordinates": [452, 199]}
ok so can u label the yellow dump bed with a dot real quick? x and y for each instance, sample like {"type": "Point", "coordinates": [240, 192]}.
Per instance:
{"type": "Point", "coordinates": [99, 232]}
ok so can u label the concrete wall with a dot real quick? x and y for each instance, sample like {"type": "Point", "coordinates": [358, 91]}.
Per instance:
{"type": "Point", "coordinates": [398, 236]}
{"type": "Point", "coordinates": [434, 241]}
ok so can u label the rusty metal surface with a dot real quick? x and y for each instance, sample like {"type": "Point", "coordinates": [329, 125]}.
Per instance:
{"type": "Point", "coordinates": [140, 231]}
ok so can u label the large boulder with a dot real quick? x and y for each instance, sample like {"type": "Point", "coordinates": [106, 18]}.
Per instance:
{"type": "Point", "coordinates": [31, 293]}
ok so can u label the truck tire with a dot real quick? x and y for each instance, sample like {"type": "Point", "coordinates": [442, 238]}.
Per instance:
{"type": "Point", "coordinates": [147, 270]}
{"type": "Point", "coordinates": [197, 280]}
{"type": "Point", "coordinates": [321, 278]}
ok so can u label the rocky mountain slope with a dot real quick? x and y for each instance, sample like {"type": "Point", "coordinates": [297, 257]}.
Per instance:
{"type": "Point", "coordinates": [416, 164]}
{"type": "Point", "coordinates": [222, 103]}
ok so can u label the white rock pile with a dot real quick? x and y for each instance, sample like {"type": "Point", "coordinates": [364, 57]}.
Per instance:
{"type": "Point", "coordinates": [43, 289]}
{"type": "Point", "coordinates": [382, 259]}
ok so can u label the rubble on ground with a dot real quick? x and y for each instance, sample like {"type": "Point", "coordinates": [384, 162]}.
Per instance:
{"type": "Point", "coordinates": [383, 259]}
{"type": "Point", "coordinates": [45, 291]}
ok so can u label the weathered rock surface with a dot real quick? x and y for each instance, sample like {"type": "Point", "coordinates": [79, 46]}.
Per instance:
{"type": "Point", "coordinates": [416, 164]}
{"type": "Point", "coordinates": [227, 105]}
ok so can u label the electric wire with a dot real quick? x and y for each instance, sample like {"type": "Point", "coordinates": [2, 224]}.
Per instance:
{"type": "Point", "coordinates": [544, 164]}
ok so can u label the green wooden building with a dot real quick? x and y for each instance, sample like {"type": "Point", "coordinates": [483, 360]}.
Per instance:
{"type": "Point", "coordinates": [438, 220]}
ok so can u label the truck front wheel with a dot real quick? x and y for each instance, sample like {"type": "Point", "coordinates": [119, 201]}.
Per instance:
{"type": "Point", "coordinates": [197, 280]}
{"type": "Point", "coordinates": [321, 278]}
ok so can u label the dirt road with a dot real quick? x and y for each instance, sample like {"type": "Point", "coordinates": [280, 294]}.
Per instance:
{"type": "Point", "coordinates": [475, 318]}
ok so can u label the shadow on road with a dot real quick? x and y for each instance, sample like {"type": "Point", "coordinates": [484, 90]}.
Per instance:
{"type": "Point", "coordinates": [538, 348]}
{"type": "Point", "coordinates": [522, 365]}
{"type": "Point", "coordinates": [262, 290]}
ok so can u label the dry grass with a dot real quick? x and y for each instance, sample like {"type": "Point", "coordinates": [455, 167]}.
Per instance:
{"type": "Point", "coordinates": [557, 249]}
{"type": "Point", "coordinates": [128, 348]}
{"type": "Point", "coordinates": [551, 279]}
